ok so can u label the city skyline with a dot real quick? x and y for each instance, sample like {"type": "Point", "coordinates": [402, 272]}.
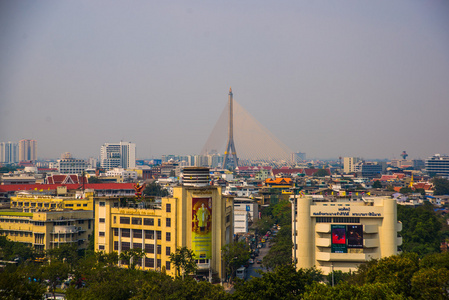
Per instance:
{"type": "Point", "coordinates": [327, 79]}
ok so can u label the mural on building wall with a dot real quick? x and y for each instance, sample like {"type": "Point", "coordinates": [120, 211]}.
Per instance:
{"type": "Point", "coordinates": [338, 239]}
{"type": "Point", "coordinates": [202, 227]}
{"type": "Point", "coordinates": [355, 236]}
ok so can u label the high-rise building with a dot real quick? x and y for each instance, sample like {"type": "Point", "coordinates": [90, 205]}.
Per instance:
{"type": "Point", "coordinates": [27, 150]}
{"type": "Point", "coordinates": [438, 165]}
{"type": "Point", "coordinates": [9, 152]}
{"type": "Point", "coordinates": [118, 155]}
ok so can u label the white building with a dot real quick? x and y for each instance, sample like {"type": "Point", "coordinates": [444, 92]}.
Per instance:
{"type": "Point", "coordinates": [69, 165]}
{"type": "Point", "coordinates": [122, 155]}
{"type": "Point", "coordinates": [438, 165]}
{"type": "Point", "coordinates": [246, 212]}
{"type": "Point", "coordinates": [341, 235]}
{"type": "Point", "coordinates": [124, 174]}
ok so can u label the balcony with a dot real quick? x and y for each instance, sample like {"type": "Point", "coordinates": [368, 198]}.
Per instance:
{"type": "Point", "coordinates": [323, 242]}
{"type": "Point", "coordinates": [348, 257]}
{"type": "Point", "coordinates": [371, 243]}
{"type": "Point", "coordinates": [323, 228]}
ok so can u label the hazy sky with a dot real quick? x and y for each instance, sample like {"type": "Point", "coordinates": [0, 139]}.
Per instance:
{"type": "Point", "coordinates": [329, 78]}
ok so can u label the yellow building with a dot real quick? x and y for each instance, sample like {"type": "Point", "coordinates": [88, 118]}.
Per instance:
{"type": "Point", "coordinates": [197, 217]}
{"type": "Point", "coordinates": [34, 202]}
{"type": "Point", "coordinates": [341, 235]}
{"type": "Point", "coordinates": [48, 229]}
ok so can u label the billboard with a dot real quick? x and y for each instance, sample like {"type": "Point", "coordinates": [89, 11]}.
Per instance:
{"type": "Point", "coordinates": [202, 227]}
{"type": "Point", "coordinates": [338, 233]}
{"type": "Point", "coordinates": [355, 236]}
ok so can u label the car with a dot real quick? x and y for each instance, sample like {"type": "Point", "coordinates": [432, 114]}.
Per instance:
{"type": "Point", "coordinates": [251, 261]}
{"type": "Point", "coordinates": [259, 261]}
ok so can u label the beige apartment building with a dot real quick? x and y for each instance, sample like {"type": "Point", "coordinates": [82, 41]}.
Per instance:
{"type": "Point", "coordinates": [341, 235]}
{"type": "Point", "coordinates": [197, 217]}
{"type": "Point", "coordinates": [47, 229]}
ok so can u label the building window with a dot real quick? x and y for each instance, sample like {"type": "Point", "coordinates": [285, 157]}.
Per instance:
{"type": "Point", "coordinates": [125, 232]}
{"type": "Point", "coordinates": [168, 222]}
{"type": "Point", "coordinates": [115, 219]}
{"type": "Point", "coordinates": [115, 245]}
{"type": "Point", "coordinates": [125, 246]}
{"type": "Point", "coordinates": [148, 221]}
{"type": "Point", "coordinates": [101, 233]}
{"type": "Point", "coordinates": [158, 222]}
{"type": "Point", "coordinates": [158, 263]}
{"type": "Point", "coordinates": [168, 236]}
{"type": "Point", "coordinates": [324, 220]}
{"type": "Point", "coordinates": [115, 231]}
{"type": "Point", "coordinates": [137, 221]}
{"type": "Point", "coordinates": [167, 265]}
{"type": "Point", "coordinates": [168, 207]}
{"type": "Point", "coordinates": [346, 220]}
{"type": "Point", "coordinates": [124, 220]}
{"type": "Point", "coordinates": [167, 251]}
{"type": "Point", "coordinates": [159, 235]}
{"type": "Point", "coordinates": [149, 248]}
{"type": "Point", "coordinates": [149, 262]}
{"type": "Point", "coordinates": [101, 247]}
{"type": "Point", "coordinates": [137, 245]}
{"type": "Point", "coordinates": [159, 249]}
{"type": "Point", "coordinates": [137, 233]}
{"type": "Point", "coordinates": [228, 218]}
{"type": "Point", "coordinates": [102, 203]}
{"type": "Point", "coordinates": [149, 234]}
{"type": "Point", "coordinates": [101, 220]}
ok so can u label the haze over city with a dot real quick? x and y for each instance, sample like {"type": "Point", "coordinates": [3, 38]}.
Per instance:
{"type": "Point", "coordinates": [330, 79]}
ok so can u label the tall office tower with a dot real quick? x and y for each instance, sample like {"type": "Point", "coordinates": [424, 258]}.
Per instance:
{"type": "Point", "coordinates": [116, 155]}
{"type": "Point", "coordinates": [9, 152]}
{"type": "Point", "coordinates": [27, 150]}
{"type": "Point", "coordinates": [230, 147]}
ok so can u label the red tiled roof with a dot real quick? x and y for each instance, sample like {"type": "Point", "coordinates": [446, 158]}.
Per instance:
{"type": "Point", "coordinates": [46, 187]}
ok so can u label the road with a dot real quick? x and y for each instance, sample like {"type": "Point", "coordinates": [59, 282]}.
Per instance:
{"type": "Point", "coordinates": [253, 268]}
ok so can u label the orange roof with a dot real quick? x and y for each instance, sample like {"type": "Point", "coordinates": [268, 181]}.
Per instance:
{"type": "Point", "coordinates": [279, 181]}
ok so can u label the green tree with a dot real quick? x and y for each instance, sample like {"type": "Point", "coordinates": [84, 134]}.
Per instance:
{"type": "Point", "coordinates": [264, 224]}
{"type": "Point", "coordinates": [396, 271]}
{"type": "Point", "coordinates": [377, 184]}
{"type": "Point", "coordinates": [65, 252]}
{"type": "Point", "coordinates": [281, 251]}
{"type": "Point", "coordinates": [405, 190]}
{"type": "Point", "coordinates": [153, 189]}
{"type": "Point", "coordinates": [420, 229]}
{"type": "Point", "coordinates": [94, 179]}
{"type": "Point", "coordinates": [184, 260]}
{"type": "Point", "coordinates": [131, 256]}
{"type": "Point", "coordinates": [15, 250]}
{"type": "Point", "coordinates": [441, 186]}
{"type": "Point", "coordinates": [321, 173]}
{"type": "Point", "coordinates": [54, 274]}
{"type": "Point", "coordinates": [235, 255]}
{"type": "Point", "coordinates": [284, 283]}
{"type": "Point", "coordinates": [15, 284]}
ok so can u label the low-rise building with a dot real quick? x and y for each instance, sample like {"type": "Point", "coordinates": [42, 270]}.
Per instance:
{"type": "Point", "coordinates": [48, 229]}
{"type": "Point", "coordinates": [343, 234]}
{"type": "Point", "coordinates": [196, 217]}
